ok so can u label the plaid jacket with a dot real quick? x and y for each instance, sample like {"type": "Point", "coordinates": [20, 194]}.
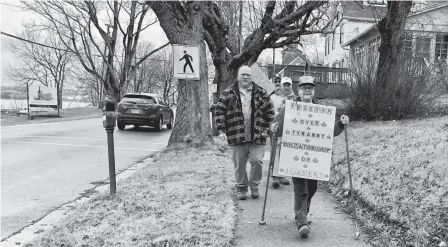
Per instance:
{"type": "Point", "coordinates": [229, 116]}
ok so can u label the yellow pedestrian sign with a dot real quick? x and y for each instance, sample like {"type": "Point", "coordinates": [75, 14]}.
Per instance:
{"type": "Point", "coordinates": [186, 62]}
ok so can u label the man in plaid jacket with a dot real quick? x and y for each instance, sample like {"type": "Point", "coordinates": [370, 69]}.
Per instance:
{"type": "Point", "coordinates": [243, 116]}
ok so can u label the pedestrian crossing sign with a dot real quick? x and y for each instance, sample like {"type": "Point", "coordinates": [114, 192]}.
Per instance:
{"type": "Point", "coordinates": [186, 62]}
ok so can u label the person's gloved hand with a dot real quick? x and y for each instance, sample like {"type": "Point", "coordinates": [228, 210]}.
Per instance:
{"type": "Point", "coordinates": [344, 119]}
{"type": "Point", "coordinates": [274, 127]}
{"type": "Point", "coordinates": [223, 136]}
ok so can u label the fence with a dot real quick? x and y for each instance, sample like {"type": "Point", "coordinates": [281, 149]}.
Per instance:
{"type": "Point", "coordinates": [330, 82]}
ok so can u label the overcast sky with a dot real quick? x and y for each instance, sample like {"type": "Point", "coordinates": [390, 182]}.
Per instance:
{"type": "Point", "coordinates": [11, 22]}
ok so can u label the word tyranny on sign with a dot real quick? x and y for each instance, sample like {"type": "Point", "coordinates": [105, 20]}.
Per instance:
{"type": "Point", "coordinates": [311, 108]}
{"type": "Point", "coordinates": [306, 147]}
{"type": "Point", "coordinates": [308, 134]}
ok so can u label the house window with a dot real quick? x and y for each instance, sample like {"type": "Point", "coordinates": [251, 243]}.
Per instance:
{"type": "Point", "coordinates": [341, 34]}
{"type": "Point", "coordinates": [359, 53]}
{"type": "Point", "coordinates": [407, 45]}
{"type": "Point", "coordinates": [327, 45]}
{"type": "Point", "coordinates": [423, 46]}
{"type": "Point", "coordinates": [332, 42]}
{"type": "Point", "coordinates": [441, 47]}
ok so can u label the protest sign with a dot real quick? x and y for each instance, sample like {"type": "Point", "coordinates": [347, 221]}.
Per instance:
{"type": "Point", "coordinates": [307, 142]}
{"type": "Point", "coordinates": [262, 80]}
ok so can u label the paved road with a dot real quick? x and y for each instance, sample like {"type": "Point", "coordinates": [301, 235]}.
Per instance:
{"type": "Point", "coordinates": [46, 165]}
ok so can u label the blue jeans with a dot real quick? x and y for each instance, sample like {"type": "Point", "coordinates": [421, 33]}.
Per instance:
{"type": "Point", "coordinates": [242, 153]}
{"type": "Point", "coordinates": [304, 190]}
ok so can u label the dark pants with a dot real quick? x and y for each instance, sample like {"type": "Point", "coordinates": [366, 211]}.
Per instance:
{"type": "Point", "coordinates": [304, 190]}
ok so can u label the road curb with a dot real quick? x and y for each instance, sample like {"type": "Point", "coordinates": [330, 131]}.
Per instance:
{"type": "Point", "coordinates": [45, 223]}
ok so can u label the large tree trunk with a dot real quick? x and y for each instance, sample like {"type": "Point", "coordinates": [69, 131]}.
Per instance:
{"type": "Point", "coordinates": [183, 25]}
{"type": "Point", "coordinates": [391, 29]}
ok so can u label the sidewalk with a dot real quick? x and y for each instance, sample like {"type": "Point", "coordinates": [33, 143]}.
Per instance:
{"type": "Point", "coordinates": [330, 226]}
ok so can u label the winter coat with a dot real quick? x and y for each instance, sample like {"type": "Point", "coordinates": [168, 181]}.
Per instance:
{"type": "Point", "coordinates": [229, 117]}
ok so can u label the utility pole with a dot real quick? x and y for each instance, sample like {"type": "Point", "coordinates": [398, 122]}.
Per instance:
{"type": "Point", "coordinates": [100, 97]}
{"type": "Point", "coordinates": [273, 62]}
{"type": "Point", "coordinates": [240, 28]}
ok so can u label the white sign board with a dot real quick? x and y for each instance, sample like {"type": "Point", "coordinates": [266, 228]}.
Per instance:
{"type": "Point", "coordinates": [307, 141]}
{"type": "Point", "coordinates": [186, 62]}
{"type": "Point", "coordinates": [261, 79]}
{"type": "Point", "coordinates": [41, 98]}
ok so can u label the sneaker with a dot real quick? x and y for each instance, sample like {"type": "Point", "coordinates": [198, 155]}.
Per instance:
{"type": "Point", "coordinates": [284, 181]}
{"type": "Point", "coordinates": [242, 194]}
{"type": "Point", "coordinates": [254, 192]}
{"type": "Point", "coordinates": [275, 183]}
{"type": "Point", "coordinates": [304, 230]}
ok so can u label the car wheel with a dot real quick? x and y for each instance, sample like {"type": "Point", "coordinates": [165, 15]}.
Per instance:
{"type": "Point", "coordinates": [170, 124]}
{"type": "Point", "coordinates": [121, 125]}
{"type": "Point", "coordinates": [160, 125]}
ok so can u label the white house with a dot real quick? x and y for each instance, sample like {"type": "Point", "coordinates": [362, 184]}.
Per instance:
{"type": "Point", "coordinates": [357, 16]}
{"type": "Point", "coordinates": [426, 37]}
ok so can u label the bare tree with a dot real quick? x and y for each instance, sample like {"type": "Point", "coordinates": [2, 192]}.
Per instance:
{"type": "Point", "coordinates": [40, 64]}
{"type": "Point", "coordinates": [391, 29]}
{"type": "Point", "coordinates": [84, 26]}
{"type": "Point", "coordinates": [195, 22]}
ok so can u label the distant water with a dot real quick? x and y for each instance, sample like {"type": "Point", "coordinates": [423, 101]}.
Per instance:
{"type": "Point", "coordinates": [21, 104]}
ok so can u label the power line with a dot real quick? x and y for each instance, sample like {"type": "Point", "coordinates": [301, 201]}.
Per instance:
{"type": "Point", "coordinates": [12, 5]}
{"type": "Point", "coordinates": [29, 41]}
{"type": "Point", "coordinates": [55, 48]}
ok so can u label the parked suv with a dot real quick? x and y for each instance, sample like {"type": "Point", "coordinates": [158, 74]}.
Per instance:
{"type": "Point", "coordinates": [145, 109]}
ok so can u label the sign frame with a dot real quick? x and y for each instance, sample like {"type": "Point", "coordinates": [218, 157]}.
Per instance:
{"type": "Point", "coordinates": [197, 74]}
{"type": "Point", "coordinates": [307, 141]}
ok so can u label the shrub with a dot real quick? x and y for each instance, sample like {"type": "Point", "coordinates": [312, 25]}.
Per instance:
{"type": "Point", "coordinates": [413, 91]}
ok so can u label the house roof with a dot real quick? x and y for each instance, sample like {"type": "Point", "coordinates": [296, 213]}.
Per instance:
{"type": "Point", "coordinates": [356, 38]}
{"type": "Point", "coordinates": [356, 10]}
{"type": "Point", "coordinates": [429, 7]}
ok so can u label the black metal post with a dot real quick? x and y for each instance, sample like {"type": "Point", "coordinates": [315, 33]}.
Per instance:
{"type": "Point", "coordinates": [110, 148]}
{"type": "Point", "coordinates": [28, 99]}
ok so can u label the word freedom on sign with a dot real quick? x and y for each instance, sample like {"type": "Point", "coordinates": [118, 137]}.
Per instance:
{"type": "Point", "coordinates": [311, 108]}
{"type": "Point", "coordinates": [306, 147]}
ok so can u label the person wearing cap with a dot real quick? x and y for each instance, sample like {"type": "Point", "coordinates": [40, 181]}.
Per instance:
{"type": "Point", "coordinates": [304, 189]}
{"type": "Point", "coordinates": [243, 116]}
{"type": "Point", "coordinates": [277, 98]}
{"type": "Point", "coordinates": [287, 88]}
{"type": "Point", "coordinates": [277, 83]}
{"type": "Point", "coordinates": [288, 93]}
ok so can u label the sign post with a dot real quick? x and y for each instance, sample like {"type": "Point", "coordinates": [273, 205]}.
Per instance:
{"type": "Point", "coordinates": [307, 141]}
{"type": "Point", "coordinates": [186, 62]}
{"type": "Point", "coordinates": [28, 100]}
{"type": "Point", "coordinates": [109, 122]}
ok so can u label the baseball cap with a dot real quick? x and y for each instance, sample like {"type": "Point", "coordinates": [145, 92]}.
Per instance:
{"type": "Point", "coordinates": [286, 80]}
{"type": "Point", "coordinates": [306, 80]}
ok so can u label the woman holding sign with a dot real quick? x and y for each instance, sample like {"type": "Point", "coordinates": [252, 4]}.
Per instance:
{"type": "Point", "coordinates": [304, 189]}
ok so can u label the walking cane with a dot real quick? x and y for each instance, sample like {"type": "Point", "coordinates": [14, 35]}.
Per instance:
{"type": "Point", "coordinates": [351, 184]}
{"type": "Point", "coordinates": [271, 165]}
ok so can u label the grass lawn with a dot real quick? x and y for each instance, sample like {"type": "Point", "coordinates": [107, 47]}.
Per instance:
{"type": "Point", "coordinates": [185, 198]}
{"type": "Point", "coordinates": [400, 173]}
{"type": "Point", "coordinates": [65, 114]}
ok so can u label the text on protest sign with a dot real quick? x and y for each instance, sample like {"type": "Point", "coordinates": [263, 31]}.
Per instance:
{"type": "Point", "coordinates": [307, 141]}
